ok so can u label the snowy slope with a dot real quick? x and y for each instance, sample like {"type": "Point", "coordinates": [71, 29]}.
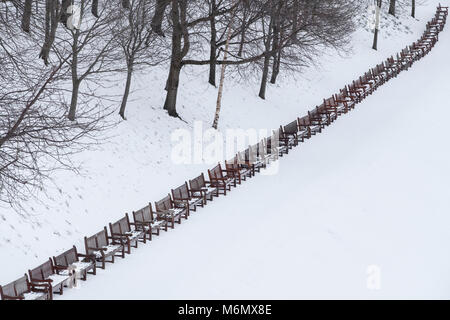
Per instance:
{"type": "Point", "coordinates": [369, 191]}
{"type": "Point", "coordinates": [339, 228]}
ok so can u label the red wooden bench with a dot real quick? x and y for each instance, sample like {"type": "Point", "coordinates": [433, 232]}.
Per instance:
{"type": "Point", "coordinates": [316, 120]}
{"type": "Point", "coordinates": [72, 261]}
{"type": "Point", "coordinates": [145, 219]}
{"type": "Point", "coordinates": [48, 274]}
{"type": "Point", "coordinates": [101, 246]}
{"type": "Point", "coordinates": [221, 179]}
{"type": "Point", "coordinates": [237, 171]}
{"type": "Point", "coordinates": [173, 212]}
{"type": "Point", "coordinates": [200, 187]}
{"type": "Point", "coordinates": [255, 157]}
{"type": "Point", "coordinates": [127, 231]}
{"type": "Point", "coordinates": [305, 129]}
{"type": "Point", "coordinates": [344, 103]}
{"type": "Point", "coordinates": [182, 193]}
{"type": "Point", "coordinates": [290, 134]}
{"type": "Point", "coordinates": [23, 289]}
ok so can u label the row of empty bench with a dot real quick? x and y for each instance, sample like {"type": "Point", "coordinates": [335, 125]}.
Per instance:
{"type": "Point", "coordinates": [118, 239]}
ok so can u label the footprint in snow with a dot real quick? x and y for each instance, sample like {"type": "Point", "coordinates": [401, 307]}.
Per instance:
{"type": "Point", "coordinates": [333, 234]}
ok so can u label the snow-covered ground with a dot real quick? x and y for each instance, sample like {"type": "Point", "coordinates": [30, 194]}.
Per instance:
{"type": "Point", "coordinates": [371, 190]}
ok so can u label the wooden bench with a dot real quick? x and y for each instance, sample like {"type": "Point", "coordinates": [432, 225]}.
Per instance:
{"type": "Point", "coordinates": [200, 187]}
{"type": "Point", "coordinates": [275, 147]}
{"type": "Point", "coordinates": [145, 219]}
{"type": "Point", "coordinates": [182, 193]}
{"type": "Point", "coordinates": [101, 246]}
{"type": "Point", "coordinates": [221, 179]}
{"type": "Point", "coordinates": [306, 129]}
{"type": "Point", "coordinates": [255, 157]}
{"type": "Point", "coordinates": [73, 262]}
{"type": "Point", "coordinates": [283, 142]}
{"type": "Point", "coordinates": [380, 75]}
{"type": "Point", "coordinates": [237, 171]}
{"type": "Point", "coordinates": [290, 134]}
{"type": "Point", "coordinates": [166, 208]}
{"type": "Point", "coordinates": [362, 87]}
{"type": "Point", "coordinates": [342, 103]}
{"type": "Point", "coordinates": [128, 232]}
{"type": "Point", "coordinates": [328, 112]}
{"type": "Point", "coordinates": [48, 273]}
{"type": "Point", "coordinates": [392, 66]}
{"type": "Point", "coordinates": [316, 120]}
{"type": "Point", "coordinates": [348, 95]}
{"type": "Point", "coordinates": [368, 79]}
{"type": "Point", "coordinates": [22, 289]}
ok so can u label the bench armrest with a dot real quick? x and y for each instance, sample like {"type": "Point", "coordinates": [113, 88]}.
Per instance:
{"type": "Point", "coordinates": [88, 257]}
{"type": "Point", "coordinates": [114, 239]}
{"type": "Point", "coordinates": [58, 267]}
{"type": "Point", "coordinates": [39, 281]}
{"type": "Point", "coordinates": [95, 248]}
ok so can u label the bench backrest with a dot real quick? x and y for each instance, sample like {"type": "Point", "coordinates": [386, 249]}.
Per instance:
{"type": "Point", "coordinates": [102, 238]}
{"type": "Point", "coordinates": [330, 101]}
{"type": "Point", "coordinates": [144, 215]}
{"type": "Point", "coordinates": [67, 258]}
{"type": "Point", "coordinates": [121, 226]}
{"type": "Point", "coordinates": [291, 128]}
{"type": "Point", "coordinates": [232, 164]}
{"type": "Point", "coordinates": [164, 204]}
{"type": "Point", "coordinates": [43, 271]}
{"type": "Point", "coordinates": [198, 183]}
{"type": "Point", "coordinates": [98, 240]}
{"type": "Point", "coordinates": [215, 173]}
{"type": "Point", "coordinates": [181, 193]}
{"type": "Point", "coordinates": [15, 289]}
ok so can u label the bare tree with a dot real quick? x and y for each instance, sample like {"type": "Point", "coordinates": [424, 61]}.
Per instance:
{"type": "Point", "coordinates": [92, 50]}
{"type": "Point", "coordinates": [138, 42]}
{"type": "Point", "coordinates": [35, 135]}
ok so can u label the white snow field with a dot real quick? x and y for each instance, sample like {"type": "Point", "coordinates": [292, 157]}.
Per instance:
{"type": "Point", "coordinates": [360, 211]}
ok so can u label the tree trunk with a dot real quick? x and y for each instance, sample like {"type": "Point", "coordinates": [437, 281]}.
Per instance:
{"type": "Point", "coordinates": [295, 21]}
{"type": "Point", "coordinates": [392, 7]}
{"type": "Point", "coordinates": [172, 90]}
{"type": "Point", "coordinates": [265, 76]}
{"type": "Point", "coordinates": [51, 23]}
{"type": "Point", "coordinates": [127, 90]}
{"type": "Point", "coordinates": [75, 80]}
{"type": "Point", "coordinates": [243, 29]}
{"type": "Point", "coordinates": [176, 59]}
{"type": "Point", "coordinates": [213, 54]}
{"type": "Point", "coordinates": [74, 100]}
{"type": "Point", "coordinates": [94, 8]}
{"type": "Point", "coordinates": [26, 18]}
{"type": "Point", "coordinates": [377, 25]}
{"type": "Point", "coordinates": [413, 9]}
{"type": "Point", "coordinates": [158, 17]}
{"type": "Point", "coordinates": [222, 81]}
{"type": "Point", "coordinates": [276, 67]}
{"type": "Point", "coordinates": [276, 45]}
{"type": "Point", "coordinates": [267, 56]}
{"type": "Point", "coordinates": [375, 40]}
